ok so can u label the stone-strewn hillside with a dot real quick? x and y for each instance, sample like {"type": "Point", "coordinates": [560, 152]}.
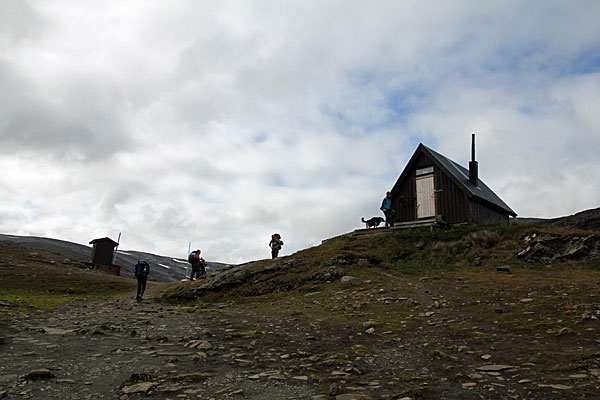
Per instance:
{"type": "Point", "coordinates": [494, 312]}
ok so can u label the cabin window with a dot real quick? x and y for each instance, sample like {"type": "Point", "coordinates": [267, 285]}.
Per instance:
{"type": "Point", "coordinates": [424, 171]}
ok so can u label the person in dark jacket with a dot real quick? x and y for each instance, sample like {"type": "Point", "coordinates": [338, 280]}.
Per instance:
{"type": "Point", "coordinates": [202, 266]}
{"type": "Point", "coordinates": [194, 260]}
{"type": "Point", "coordinates": [275, 244]}
{"type": "Point", "coordinates": [386, 207]}
{"type": "Point", "coordinates": [141, 272]}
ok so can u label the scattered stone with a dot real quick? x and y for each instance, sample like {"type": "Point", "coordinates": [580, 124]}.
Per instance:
{"type": "Point", "coordinates": [526, 300]}
{"type": "Point", "coordinates": [334, 389]}
{"type": "Point", "coordinates": [302, 378]}
{"type": "Point", "coordinates": [524, 381]}
{"type": "Point", "coordinates": [369, 324]}
{"type": "Point", "coordinates": [494, 368]}
{"type": "Point", "coordinates": [348, 280]}
{"type": "Point", "coordinates": [142, 387]}
{"type": "Point", "coordinates": [352, 396]}
{"type": "Point", "coordinates": [578, 376]}
{"type": "Point", "coordinates": [555, 386]}
{"type": "Point", "coordinates": [38, 374]}
{"type": "Point", "coordinates": [340, 373]}
{"type": "Point", "coordinates": [469, 385]}
{"type": "Point", "coordinates": [565, 331]}
{"type": "Point", "coordinates": [486, 356]}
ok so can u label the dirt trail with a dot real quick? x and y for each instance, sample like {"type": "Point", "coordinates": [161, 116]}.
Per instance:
{"type": "Point", "coordinates": [120, 349]}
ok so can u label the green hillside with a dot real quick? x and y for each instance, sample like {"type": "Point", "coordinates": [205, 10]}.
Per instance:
{"type": "Point", "coordinates": [514, 297]}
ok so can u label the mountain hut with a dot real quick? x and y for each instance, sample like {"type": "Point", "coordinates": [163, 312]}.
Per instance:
{"type": "Point", "coordinates": [433, 187]}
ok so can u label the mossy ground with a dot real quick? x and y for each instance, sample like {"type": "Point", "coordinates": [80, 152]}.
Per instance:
{"type": "Point", "coordinates": [32, 280]}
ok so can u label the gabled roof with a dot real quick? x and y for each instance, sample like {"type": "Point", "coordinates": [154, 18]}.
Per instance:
{"type": "Point", "coordinates": [105, 239]}
{"type": "Point", "coordinates": [460, 176]}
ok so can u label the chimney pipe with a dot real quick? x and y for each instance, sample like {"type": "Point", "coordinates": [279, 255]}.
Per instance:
{"type": "Point", "coordinates": [473, 167]}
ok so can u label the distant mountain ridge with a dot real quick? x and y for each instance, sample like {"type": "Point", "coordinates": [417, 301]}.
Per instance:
{"type": "Point", "coordinates": [588, 220]}
{"type": "Point", "coordinates": [164, 268]}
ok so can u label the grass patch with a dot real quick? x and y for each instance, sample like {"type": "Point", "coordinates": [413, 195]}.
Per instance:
{"type": "Point", "coordinates": [35, 280]}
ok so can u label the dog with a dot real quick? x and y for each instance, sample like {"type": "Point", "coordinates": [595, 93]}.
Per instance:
{"type": "Point", "coordinates": [373, 222]}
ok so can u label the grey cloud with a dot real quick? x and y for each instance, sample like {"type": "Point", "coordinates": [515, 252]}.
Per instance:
{"type": "Point", "coordinates": [85, 125]}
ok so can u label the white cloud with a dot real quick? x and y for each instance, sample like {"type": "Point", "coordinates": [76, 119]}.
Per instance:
{"type": "Point", "coordinates": [218, 123]}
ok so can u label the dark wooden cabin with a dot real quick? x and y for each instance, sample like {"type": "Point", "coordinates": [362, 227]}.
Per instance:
{"type": "Point", "coordinates": [103, 251]}
{"type": "Point", "coordinates": [434, 187]}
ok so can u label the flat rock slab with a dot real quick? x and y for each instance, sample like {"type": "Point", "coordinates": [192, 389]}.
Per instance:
{"type": "Point", "coordinates": [142, 387]}
{"type": "Point", "coordinates": [41, 373]}
{"type": "Point", "coordinates": [57, 331]}
{"type": "Point", "coordinates": [352, 396]}
{"type": "Point", "coordinates": [175, 353]}
{"type": "Point", "coordinates": [494, 368]}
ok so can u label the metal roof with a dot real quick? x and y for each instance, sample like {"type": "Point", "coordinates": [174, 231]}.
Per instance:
{"type": "Point", "coordinates": [461, 176]}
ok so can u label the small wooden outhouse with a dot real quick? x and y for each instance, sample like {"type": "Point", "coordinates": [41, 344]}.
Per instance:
{"type": "Point", "coordinates": [103, 252]}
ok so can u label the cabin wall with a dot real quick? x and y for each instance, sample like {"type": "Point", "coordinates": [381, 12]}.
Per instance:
{"type": "Point", "coordinates": [482, 214]}
{"type": "Point", "coordinates": [451, 202]}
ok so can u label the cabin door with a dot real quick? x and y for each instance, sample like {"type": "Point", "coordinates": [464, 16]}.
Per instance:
{"type": "Point", "coordinates": [425, 197]}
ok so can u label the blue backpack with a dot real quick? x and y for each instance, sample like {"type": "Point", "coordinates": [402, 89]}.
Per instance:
{"type": "Point", "coordinates": [142, 269]}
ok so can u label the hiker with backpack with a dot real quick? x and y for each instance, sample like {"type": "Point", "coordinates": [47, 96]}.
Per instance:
{"type": "Point", "coordinates": [202, 264]}
{"type": "Point", "coordinates": [275, 244]}
{"type": "Point", "coordinates": [386, 207]}
{"type": "Point", "coordinates": [141, 272]}
{"type": "Point", "coordinates": [196, 262]}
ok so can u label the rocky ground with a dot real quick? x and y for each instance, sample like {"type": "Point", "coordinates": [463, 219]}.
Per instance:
{"type": "Point", "coordinates": [328, 323]}
{"type": "Point", "coordinates": [121, 349]}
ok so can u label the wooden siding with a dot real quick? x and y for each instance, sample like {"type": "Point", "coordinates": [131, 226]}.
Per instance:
{"type": "Point", "coordinates": [102, 253]}
{"type": "Point", "coordinates": [482, 214]}
{"type": "Point", "coordinates": [453, 204]}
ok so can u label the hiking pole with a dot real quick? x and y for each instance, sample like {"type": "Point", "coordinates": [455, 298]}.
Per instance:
{"type": "Point", "coordinates": [116, 248]}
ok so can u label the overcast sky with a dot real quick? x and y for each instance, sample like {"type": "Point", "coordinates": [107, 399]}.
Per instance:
{"type": "Point", "coordinates": [221, 122]}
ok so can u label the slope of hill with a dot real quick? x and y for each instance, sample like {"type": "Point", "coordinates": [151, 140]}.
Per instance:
{"type": "Point", "coordinates": [588, 219]}
{"type": "Point", "coordinates": [470, 312]}
{"type": "Point", "coordinates": [165, 269]}
{"type": "Point", "coordinates": [495, 312]}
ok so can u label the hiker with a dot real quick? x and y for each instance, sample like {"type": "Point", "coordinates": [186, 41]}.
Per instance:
{"type": "Point", "coordinates": [275, 244]}
{"type": "Point", "coordinates": [141, 272]}
{"type": "Point", "coordinates": [194, 259]}
{"type": "Point", "coordinates": [202, 264]}
{"type": "Point", "coordinates": [386, 207]}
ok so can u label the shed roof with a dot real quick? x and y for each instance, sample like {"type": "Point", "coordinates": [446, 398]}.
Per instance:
{"type": "Point", "coordinates": [104, 239]}
{"type": "Point", "coordinates": [460, 176]}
